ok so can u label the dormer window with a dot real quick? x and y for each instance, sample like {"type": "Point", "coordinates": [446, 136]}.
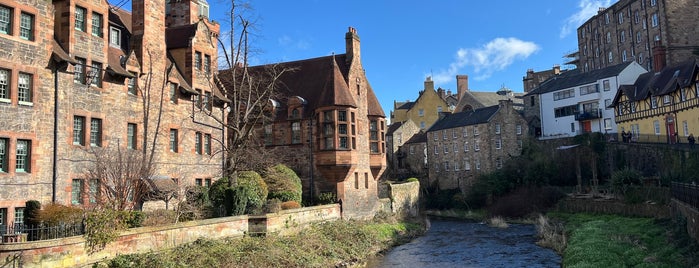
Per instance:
{"type": "Point", "coordinates": [295, 113]}
{"type": "Point", "coordinates": [114, 36]}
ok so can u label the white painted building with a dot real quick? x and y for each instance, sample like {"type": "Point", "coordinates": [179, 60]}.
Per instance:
{"type": "Point", "coordinates": [574, 103]}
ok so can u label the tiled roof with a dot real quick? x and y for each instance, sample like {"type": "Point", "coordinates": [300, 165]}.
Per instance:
{"type": "Point", "coordinates": [60, 54]}
{"type": "Point", "coordinates": [666, 81]}
{"type": "Point", "coordinates": [120, 17]}
{"type": "Point", "coordinates": [575, 77]}
{"type": "Point", "coordinates": [320, 81]}
{"type": "Point", "coordinates": [115, 60]}
{"type": "Point", "coordinates": [467, 118]}
{"type": "Point", "coordinates": [180, 36]}
{"type": "Point", "coordinates": [405, 105]}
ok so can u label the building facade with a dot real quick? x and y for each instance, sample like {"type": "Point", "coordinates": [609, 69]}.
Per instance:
{"type": "Point", "coordinates": [424, 111]}
{"type": "Point", "coordinates": [577, 102]}
{"type": "Point", "coordinates": [78, 77]}
{"type": "Point", "coordinates": [650, 32]}
{"type": "Point", "coordinates": [397, 135]}
{"type": "Point", "coordinates": [329, 119]}
{"type": "Point", "coordinates": [660, 107]}
{"type": "Point", "coordinates": [462, 146]}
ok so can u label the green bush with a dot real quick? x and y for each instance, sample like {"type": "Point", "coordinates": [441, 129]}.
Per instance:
{"type": "Point", "coordinates": [31, 210]}
{"type": "Point", "coordinates": [283, 183]}
{"type": "Point", "coordinates": [248, 195]}
{"type": "Point", "coordinates": [132, 219]}
{"type": "Point", "coordinates": [258, 188]}
{"type": "Point", "coordinates": [623, 179]}
{"type": "Point", "coordinates": [326, 198]}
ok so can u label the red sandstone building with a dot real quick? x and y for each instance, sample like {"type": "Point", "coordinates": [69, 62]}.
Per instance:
{"type": "Point", "coordinates": [74, 77]}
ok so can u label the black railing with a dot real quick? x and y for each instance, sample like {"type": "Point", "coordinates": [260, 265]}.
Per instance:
{"type": "Point", "coordinates": [588, 115]}
{"type": "Point", "coordinates": [23, 232]}
{"type": "Point", "coordinates": [649, 138]}
{"type": "Point", "coordinates": [686, 192]}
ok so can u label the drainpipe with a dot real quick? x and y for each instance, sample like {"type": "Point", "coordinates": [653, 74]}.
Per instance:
{"type": "Point", "coordinates": [55, 134]}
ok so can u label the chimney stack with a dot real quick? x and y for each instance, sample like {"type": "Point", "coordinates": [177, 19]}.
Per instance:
{"type": "Point", "coordinates": [429, 84]}
{"type": "Point", "coordinates": [556, 69]}
{"type": "Point", "coordinates": [461, 85]}
{"type": "Point", "coordinates": [352, 45]}
{"type": "Point", "coordinates": [659, 56]}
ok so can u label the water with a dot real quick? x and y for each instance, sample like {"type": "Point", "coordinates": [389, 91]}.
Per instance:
{"type": "Point", "coordinates": [470, 244]}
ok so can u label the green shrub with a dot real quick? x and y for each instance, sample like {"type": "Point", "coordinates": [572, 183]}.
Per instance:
{"type": "Point", "coordinates": [249, 195]}
{"type": "Point", "coordinates": [283, 183]}
{"type": "Point", "coordinates": [31, 211]}
{"type": "Point", "coordinates": [54, 214]}
{"type": "Point", "coordinates": [622, 179]}
{"type": "Point", "coordinates": [132, 219]}
{"type": "Point", "coordinates": [101, 228]}
{"type": "Point", "coordinates": [257, 188]}
{"type": "Point", "coordinates": [326, 198]}
{"type": "Point", "coordinates": [159, 217]}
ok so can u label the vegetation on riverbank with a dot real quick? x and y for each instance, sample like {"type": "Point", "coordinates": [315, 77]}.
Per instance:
{"type": "Point", "coordinates": [597, 240]}
{"type": "Point", "coordinates": [331, 244]}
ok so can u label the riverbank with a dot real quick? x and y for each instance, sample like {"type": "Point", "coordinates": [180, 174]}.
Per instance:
{"type": "Point", "coordinates": [331, 244]}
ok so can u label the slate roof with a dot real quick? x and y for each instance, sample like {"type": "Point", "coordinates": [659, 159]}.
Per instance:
{"type": "Point", "coordinates": [575, 77]}
{"type": "Point", "coordinates": [320, 81]}
{"type": "Point", "coordinates": [467, 118]}
{"type": "Point", "coordinates": [420, 137]}
{"type": "Point", "coordinates": [120, 17]}
{"type": "Point", "coordinates": [180, 36]}
{"type": "Point", "coordinates": [666, 81]}
{"type": "Point", "coordinates": [404, 105]}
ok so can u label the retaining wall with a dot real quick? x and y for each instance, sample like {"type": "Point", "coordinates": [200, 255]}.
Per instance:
{"type": "Point", "coordinates": [691, 214]}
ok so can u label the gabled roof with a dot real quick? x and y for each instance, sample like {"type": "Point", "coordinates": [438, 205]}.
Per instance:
{"type": "Point", "coordinates": [656, 84]}
{"type": "Point", "coordinates": [420, 137]}
{"type": "Point", "coordinates": [575, 77]}
{"type": "Point", "coordinates": [393, 127]}
{"type": "Point", "coordinates": [478, 116]}
{"type": "Point", "coordinates": [405, 105]}
{"type": "Point", "coordinates": [120, 17]}
{"type": "Point", "coordinates": [115, 56]}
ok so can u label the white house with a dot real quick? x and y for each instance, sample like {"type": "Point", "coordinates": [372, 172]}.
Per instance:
{"type": "Point", "coordinates": [576, 102]}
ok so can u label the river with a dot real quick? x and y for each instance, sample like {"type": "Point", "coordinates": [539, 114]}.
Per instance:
{"type": "Point", "coordinates": [450, 243]}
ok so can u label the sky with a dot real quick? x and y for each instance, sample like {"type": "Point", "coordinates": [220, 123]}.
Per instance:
{"type": "Point", "coordinates": [404, 42]}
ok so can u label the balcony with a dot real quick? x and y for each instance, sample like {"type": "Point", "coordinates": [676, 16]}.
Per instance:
{"type": "Point", "coordinates": [588, 115]}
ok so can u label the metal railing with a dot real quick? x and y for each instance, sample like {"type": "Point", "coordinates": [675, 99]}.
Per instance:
{"type": "Point", "coordinates": [23, 232]}
{"type": "Point", "coordinates": [649, 138]}
{"type": "Point", "coordinates": [686, 192]}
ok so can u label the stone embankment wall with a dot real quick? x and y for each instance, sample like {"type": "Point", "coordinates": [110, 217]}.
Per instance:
{"type": "Point", "coordinates": [691, 214]}
{"type": "Point", "coordinates": [71, 252]}
{"type": "Point", "coordinates": [405, 198]}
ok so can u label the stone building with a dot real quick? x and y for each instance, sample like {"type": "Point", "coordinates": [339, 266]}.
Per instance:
{"type": "Point", "coordinates": [425, 110]}
{"type": "Point", "coordinates": [75, 76]}
{"type": "Point", "coordinates": [660, 107]}
{"type": "Point", "coordinates": [415, 161]}
{"type": "Point", "coordinates": [531, 104]}
{"type": "Point", "coordinates": [398, 133]}
{"type": "Point", "coordinates": [650, 32]}
{"type": "Point", "coordinates": [461, 146]}
{"type": "Point", "coordinates": [329, 107]}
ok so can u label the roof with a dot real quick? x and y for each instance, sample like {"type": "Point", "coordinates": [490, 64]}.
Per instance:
{"type": "Point", "coordinates": [420, 137]}
{"type": "Point", "coordinates": [405, 105]}
{"type": "Point", "coordinates": [60, 54]}
{"type": "Point", "coordinates": [393, 127]}
{"type": "Point", "coordinates": [180, 36]}
{"type": "Point", "coordinates": [320, 81]}
{"type": "Point", "coordinates": [656, 84]}
{"type": "Point", "coordinates": [120, 17]}
{"type": "Point", "coordinates": [467, 118]}
{"type": "Point", "coordinates": [575, 77]}
{"type": "Point", "coordinates": [480, 99]}
{"type": "Point", "coordinates": [115, 56]}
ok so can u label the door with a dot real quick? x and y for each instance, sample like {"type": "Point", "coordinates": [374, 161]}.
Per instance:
{"type": "Point", "coordinates": [671, 131]}
{"type": "Point", "coordinates": [587, 126]}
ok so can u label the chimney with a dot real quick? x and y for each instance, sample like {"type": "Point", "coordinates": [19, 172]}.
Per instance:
{"type": "Point", "coordinates": [461, 85]}
{"type": "Point", "coordinates": [429, 84]}
{"type": "Point", "coordinates": [352, 45]}
{"type": "Point", "coordinates": [659, 56]}
{"type": "Point", "coordinates": [556, 69]}
{"type": "Point", "coordinates": [441, 93]}
{"type": "Point", "coordinates": [148, 23]}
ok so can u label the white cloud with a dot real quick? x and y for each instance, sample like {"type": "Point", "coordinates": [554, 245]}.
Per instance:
{"type": "Point", "coordinates": [587, 9]}
{"type": "Point", "coordinates": [287, 41]}
{"type": "Point", "coordinates": [494, 56]}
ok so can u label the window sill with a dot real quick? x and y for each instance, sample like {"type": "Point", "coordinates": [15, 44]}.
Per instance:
{"type": "Point", "coordinates": [24, 103]}
{"type": "Point", "coordinates": [6, 101]}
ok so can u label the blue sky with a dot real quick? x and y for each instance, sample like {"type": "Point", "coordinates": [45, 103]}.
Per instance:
{"type": "Point", "coordinates": [402, 42]}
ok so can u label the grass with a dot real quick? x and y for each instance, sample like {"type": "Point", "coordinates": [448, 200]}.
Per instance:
{"type": "Point", "coordinates": [332, 244]}
{"type": "Point", "coordinates": [616, 241]}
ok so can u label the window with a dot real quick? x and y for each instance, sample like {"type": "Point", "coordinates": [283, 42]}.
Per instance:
{"type": "Point", "coordinates": [78, 130]}
{"type": "Point", "coordinates": [268, 135]}
{"type": "Point", "coordinates": [131, 132]}
{"type": "Point", "coordinates": [611, 57]}
{"type": "Point", "coordinates": [24, 88]}
{"type": "Point", "coordinates": [439, 109]}
{"type": "Point", "coordinates": [114, 36]}
{"type": "Point", "coordinates": [197, 142]}
{"type": "Point", "coordinates": [296, 132]}
{"type": "Point", "coordinates": [605, 85]}
{"type": "Point", "coordinates": [446, 165]}
{"type": "Point", "coordinates": [636, 17]}
{"type": "Point", "coordinates": [572, 127]}
{"type": "Point", "coordinates": [96, 74]}
{"type": "Point", "coordinates": [412, 149]}
{"type": "Point", "coordinates": [656, 126]}
{"type": "Point", "coordinates": [564, 94]}
{"type": "Point", "coordinates": [207, 64]}
{"type": "Point", "coordinates": [4, 142]}
{"type": "Point", "coordinates": [3, 216]}
{"type": "Point", "coordinates": [76, 192]}
{"type": "Point", "coordinates": [518, 129]}
{"type": "Point", "coordinates": [173, 140]}
{"type": "Point", "coordinates": [478, 164]}
{"type": "Point", "coordinates": [466, 146]}
{"type": "Point", "coordinates": [207, 144]}
{"type": "Point", "coordinates": [607, 123]}
{"type": "Point", "coordinates": [198, 98]}
{"type": "Point", "coordinates": [653, 3]}
{"type": "Point", "coordinates": [19, 216]}
{"type": "Point", "coordinates": [373, 136]}
{"type": "Point", "coordinates": [343, 132]}
{"type": "Point", "coordinates": [173, 93]}
{"type": "Point", "coordinates": [456, 147]}
{"type": "Point", "coordinates": [497, 128]}
{"type": "Point", "coordinates": [446, 149]}
{"type": "Point", "coordinates": [467, 164]}
{"type": "Point", "coordinates": [667, 99]}
{"type": "Point", "coordinates": [79, 71]}
{"type": "Point", "coordinates": [609, 37]}
{"type": "Point", "coordinates": [422, 124]}
{"type": "Point", "coordinates": [366, 180]}
{"type": "Point", "coordinates": [456, 166]}
{"type": "Point", "coordinates": [638, 37]}
{"type": "Point", "coordinates": [622, 36]}
{"type": "Point", "coordinates": [654, 20]}
{"type": "Point", "coordinates": [96, 24]}
{"type": "Point", "coordinates": [453, 133]}
{"type": "Point", "coordinates": [26, 26]}
{"type": "Point", "coordinates": [199, 182]}
{"type": "Point", "coordinates": [498, 143]}
{"type": "Point", "coordinates": [80, 14]}
{"type": "Point", "coordinates": [94, 190]}
{"type": "Point", "coordinates": [653, 102]}
{"type": "Point", "coordinates": [621, 17]}
{"type": "Point", "coordinates": [132, 89]}
{"type": "Point", "coordinates": [5, 20]}
{"type": "Point", "coordinates": [476, 146]}
{"type": "Point", "coordinates": [436, 167]}
{"type": "Point", "coordinates": [685, 128]}
{"type": "Point", "coordinates": [197, 60]}
{"type": "Point", "coordinates": [607, 103]}
{"type": "Point", "coordinates": [207, 182]}
{"type": "Point", "coordinates": [4, 83]}
{"type": "Point", "coordinates": [203, 8]}
{"type": "Point", "coordinates": [435, 135]}
{"type": "Point", "coordinates": [95, 132]}
{"type": "Point", "coordinates": [566, 111]}
{"type": "Point", "coordinates": [475, 130]}
{"type": "Point", "coordinates": [606, 18]}
{"type": "Point", "coordinates": [421, 112]}
{"type": "Point", "coordinates": [436, 149]}
{"type": "Point", "coordinates": [498, 163]}
{"type": "Point", "coordinates": [24, 153]}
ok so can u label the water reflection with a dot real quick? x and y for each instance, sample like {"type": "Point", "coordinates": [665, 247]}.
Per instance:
{"type": "Point", "coordinates": [471, 244]}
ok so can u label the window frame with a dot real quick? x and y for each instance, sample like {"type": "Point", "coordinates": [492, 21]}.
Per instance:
{"type": "Point", "coordinates": [4, 149]}
{"type": "Point", "coordinates": [131, 136]}
{"type": "Point", "coordinates": [80, 18]}
{"type": "Point", "coordinates": [23, 159]}
{"type": "Point", "coordinates": [25, 90]}
{"type": "Point", "coordinates": [76, 192]}
{"type": "Point", "coordinates": [174, 140]}
{"type": "Point", "coordinates": [79, 130]}
{"type": "Point", "coordinates": [95, 132]}
{"type": "Point", "coordinates": [198, 143]}
{"type": "Point", "coordinates": [114, 36]}
{"type": "Point", "coordinates": [6, 23]}
{"type": "Point", "coordinates": [5, 88]}
{"type": "Point", "coordinates": [207, 144]}
{"type": "Point", "coordinates": [26, 32]}
{"type": "Point", "coordinates": [97, 22]}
